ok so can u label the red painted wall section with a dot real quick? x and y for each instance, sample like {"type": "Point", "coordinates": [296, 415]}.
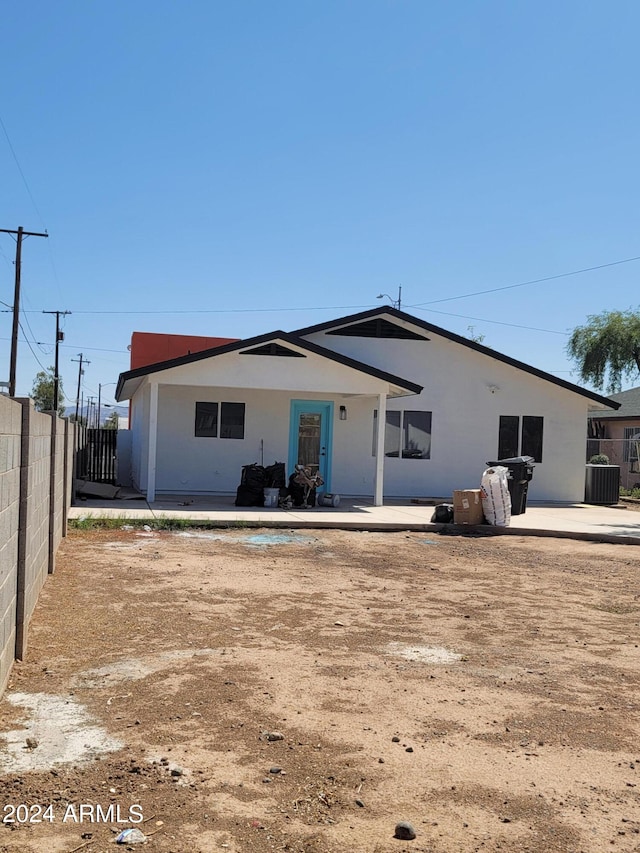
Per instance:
{"type": "Point", "coordinates": [151, 347]}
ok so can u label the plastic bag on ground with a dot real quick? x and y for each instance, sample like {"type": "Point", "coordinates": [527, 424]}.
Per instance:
{"type": "Point", "coordinates": [131, 836]}
{"type": "Point", "coordinates": [496, 500]}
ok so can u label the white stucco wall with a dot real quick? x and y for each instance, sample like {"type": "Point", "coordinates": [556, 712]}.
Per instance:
{"type": "Point", "coordinates": [235, 370]}
{"type": "Point", "coordinates": [139, 406]}
{"type": "Point", "coordinates": [466, 392]}
{"type": "Point", "coordinates": [187, 464]}
{"type": "Point", "coordinates": [458, 386]}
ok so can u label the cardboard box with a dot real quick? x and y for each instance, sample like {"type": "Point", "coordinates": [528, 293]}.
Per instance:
{"type": "Point", "coordinates": [467, 507]}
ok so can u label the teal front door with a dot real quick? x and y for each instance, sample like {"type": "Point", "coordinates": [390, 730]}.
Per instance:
{"type": "Point", "coordinates": [310, 437]}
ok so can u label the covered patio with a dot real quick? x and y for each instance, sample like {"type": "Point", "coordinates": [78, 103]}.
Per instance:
{"type": "Point", "coordinates": [199, 419]}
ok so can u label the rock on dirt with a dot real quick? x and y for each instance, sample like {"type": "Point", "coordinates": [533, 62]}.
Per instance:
{"type": "Point", "coordinates": [404, 831]}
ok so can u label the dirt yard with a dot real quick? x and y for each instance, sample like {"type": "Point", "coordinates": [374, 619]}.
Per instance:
{"type": "Point", "coordinates": [248, 691]}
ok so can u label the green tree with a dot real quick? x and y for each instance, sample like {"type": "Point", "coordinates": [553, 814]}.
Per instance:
{"type": "Point", "coordinates": [607, 348]}
{"type": "Point", "coordinates": [42, 392]}
{"type": "Point", "coordinates": [476, 338]}
{"type": "Point", "coordinates": [112, 421]}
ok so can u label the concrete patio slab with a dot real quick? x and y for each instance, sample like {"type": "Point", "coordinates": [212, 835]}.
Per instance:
{"type": "Point", "coordinates": [579, 521]}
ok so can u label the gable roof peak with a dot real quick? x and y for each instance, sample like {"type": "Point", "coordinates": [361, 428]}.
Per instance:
{"type": "Point", "coordinates": [417, 322]}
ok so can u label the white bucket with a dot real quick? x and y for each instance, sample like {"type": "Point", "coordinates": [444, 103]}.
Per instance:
{"type": "Point", "coordinates": [271, 497]}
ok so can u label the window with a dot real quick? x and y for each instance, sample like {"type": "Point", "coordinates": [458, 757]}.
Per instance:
{"type": "Point", "coordinates": [206, 420]}
{"type": "Point", "coordinates": [508, 436]}
{"type": "Point", "coordinates": [416, 434]}
{"type": "Point", "coordinates": [532, 437]}
{"type": "Point", "coordinates": [407, 434]}
{"type": "Point", "coordinates": [631, 453]}
{"type": "Point", "coordinates": [231, 420]}
{"type": "Point", "coordinates": [513, 443]}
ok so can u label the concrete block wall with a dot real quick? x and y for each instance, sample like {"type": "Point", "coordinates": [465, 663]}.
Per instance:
{"type": "Point", "coordinates": [35, 502]}
{"type": "Point", "coordinates": [10, 447]}
{"type": "Point", "coordinates": [36, 458]}
{"type": "Point", "coordinates": [68, 462]}
{"type": "Point", "coordinates": [56, 482]}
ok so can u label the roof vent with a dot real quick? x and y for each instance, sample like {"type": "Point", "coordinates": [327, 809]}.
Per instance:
{"type": "Point", "coordinates": [378, 327]}
{"type": "Point", "coordinates": [273, 349]}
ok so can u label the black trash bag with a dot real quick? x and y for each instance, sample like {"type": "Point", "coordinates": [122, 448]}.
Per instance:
{"type": "Point", "coordinates": [442, 514]}
{"type": "Point", "coordinates": [253, 476]}
{"type": "Point", "coordinates": [249, 496]}
{"type": "Point", "coordinates": [251, 489]}
{"type": "Point", "coordinates": [275, 477]}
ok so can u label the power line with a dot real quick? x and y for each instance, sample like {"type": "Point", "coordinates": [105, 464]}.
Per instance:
{"type": "Point", "coordinates": [33, 335]}
{"type": "Point", "coordinates": [6, 260]}
{"type": "Point", "coordinates": [28, 342]}
{"type": "Point", "coordinates": [525, 283]}
{"type": "Point", "coordinates": [73, 346]}
{"type": "Point", "coordinates": [95, 349]}
{"type": "Point", "coordinates": [357, 307]}
{"type": "Point", "coordinates": [495, 322]}
{"type": "Point", "coordinates": [24, 180]}
{"type": "Point", "coordinates": [236, 310]}
{"type": "Point", "coordinates": [35, 207]}
{"type": "Point", "coordinates": [418, 305]}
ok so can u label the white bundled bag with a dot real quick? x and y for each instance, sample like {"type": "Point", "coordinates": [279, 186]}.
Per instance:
{"type": "Point", "coordinates": [496, 500]}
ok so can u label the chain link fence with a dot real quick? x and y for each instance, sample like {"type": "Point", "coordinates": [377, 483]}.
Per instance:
{"type": "Point", "coordinates": [624, 452]}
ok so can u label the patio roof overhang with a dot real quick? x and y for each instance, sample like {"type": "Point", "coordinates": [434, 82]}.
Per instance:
{"type": "Point", "coordinates": [278, 362]}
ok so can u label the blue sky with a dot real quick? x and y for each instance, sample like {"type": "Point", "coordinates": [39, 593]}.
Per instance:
{"type": "Point", "coordinates": [241, 167]}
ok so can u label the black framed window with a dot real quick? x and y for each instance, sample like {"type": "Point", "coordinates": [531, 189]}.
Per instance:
{"type": "Point", "coordinates": [512, 442]}
{"type": "Point", "coordinates": [407, 434]}
{"type": "Point", "coordinates": [206, 420]}
{"type": "Point", "coordinates": [219, 420]}
{"type": "Point", "coordinates": [532, 437]}
{"type": "Point", "coordinates": [416, 435]}
{"type": "Point", "coordinates": [508, 436]}
{"type": "Point", "coordinates": [232, 420]}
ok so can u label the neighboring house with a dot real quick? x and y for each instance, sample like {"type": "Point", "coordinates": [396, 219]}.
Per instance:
{"type": "Point", "coordinates": [151, 347]}
{"type": "Point", "coordinates": [617, 435]}
{"type": "Point", "coordinates": [446, 406]}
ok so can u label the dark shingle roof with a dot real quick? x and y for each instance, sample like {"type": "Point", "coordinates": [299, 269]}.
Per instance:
{"type": "Point", "coordinates": [629, 405]}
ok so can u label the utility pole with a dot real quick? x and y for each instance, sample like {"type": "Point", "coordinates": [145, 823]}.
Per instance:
{"type": "Point", "coordinates": [80, 372]}
{"type": "Point", "coordinates": [100, 387]}
{"type": "Point", "coordinates": [56, 374]}
{"type": "Point", "coordinates": [90, 406]}
{"type": "Point", "coordinates": [16, 302]}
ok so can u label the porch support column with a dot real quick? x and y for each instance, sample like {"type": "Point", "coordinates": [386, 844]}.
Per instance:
{"type": "Point", "coordinates": [153, 442]}
{"type": "Point", "coordinates": [379, 475]}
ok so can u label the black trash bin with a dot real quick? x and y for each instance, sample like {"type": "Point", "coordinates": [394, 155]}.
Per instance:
{"type": "Point", "coordinates": [520, 474]}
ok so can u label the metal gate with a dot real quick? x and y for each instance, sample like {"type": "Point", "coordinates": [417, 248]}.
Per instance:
{"type": "Point", "coordinates": [96, 459]}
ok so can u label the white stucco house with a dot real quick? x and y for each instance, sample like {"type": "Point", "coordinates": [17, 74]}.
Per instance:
{"type": "Point", "coordinates": [384, 403]}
